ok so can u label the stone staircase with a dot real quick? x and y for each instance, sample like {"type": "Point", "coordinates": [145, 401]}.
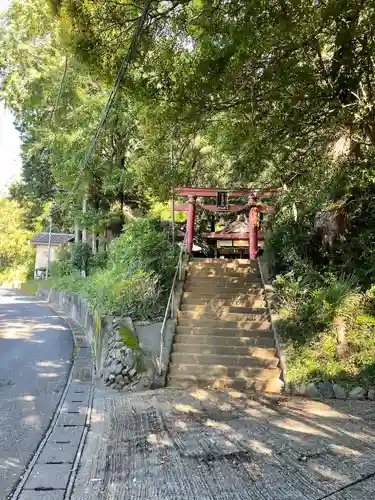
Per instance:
{"type": "Point", "coordinates": [223, 335]}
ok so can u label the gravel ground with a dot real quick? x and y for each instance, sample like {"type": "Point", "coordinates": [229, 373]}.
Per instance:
{"type": "Point", "coordinates": [35, 356]}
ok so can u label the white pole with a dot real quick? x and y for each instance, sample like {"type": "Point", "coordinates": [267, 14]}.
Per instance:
{"type": "Point", "coordinates": [49, 241]}
{"type": "Point", "coordinates": [173, 220]}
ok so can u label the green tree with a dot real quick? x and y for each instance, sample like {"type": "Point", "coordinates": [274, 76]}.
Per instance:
{"type": "Point", "coordinates": [16, 252]}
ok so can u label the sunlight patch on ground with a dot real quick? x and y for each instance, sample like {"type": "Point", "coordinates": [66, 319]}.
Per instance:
{"type": "Point", "coordinates": [9, 463]}
{"type": "Point", "coordinates": [359, 436]}
{"type": "Point", "coordinates": [28, 397]}
{"type": "Point", "coordinates": [296, 426]}
{"type": "Point", "coordinates": [48, 374]}
{"type": "Point", "coordinates": [217, 425]}
{"type": "Point", "coordinates": [15, 332]}
{"type": "Point", "coordinates": [258, 447]}
{"type": "Point", "coordinates": [235, 394]}
{"type": "Point", "coordinates": [186, 408]}
{"type": "Point", "coordinates": [159, 440]}
{"type": "Point", "coordinates": [343, 450]}
{"type": "Point", "coordinates": [254, 412]}
{"type": "Point", "coordinates": [97, 416]}
{"type": "Point", "coordinates": [200, 394]}
{"type": "Point", "coordinates": [49, 364]}
{"type": "Point", "coordinates": [330, 474]}
{"type": "Point", "coordinates": [32, 420]}
{"type": "Point", "coordinates": [179, 424]}
{"type": "Point", "coordinates": [225, 407]}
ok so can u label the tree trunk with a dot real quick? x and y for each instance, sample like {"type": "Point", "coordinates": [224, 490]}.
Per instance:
{"type": "Point", "coordinates": [102, 240]}
{"type": "Point", "coordinates": [93, 241]}
{"type": "Point", "coordinates": [76, 231]}
{"type": "Point", "coordinates": [84, 229]}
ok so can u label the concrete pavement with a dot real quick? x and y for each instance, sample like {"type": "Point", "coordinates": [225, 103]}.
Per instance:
{"type": "Point", "coordinates": [35, 359]}
{"type": "Point", "coordinates": [208, 445]}
{"type": "Point", "coordinates": [167, 444]}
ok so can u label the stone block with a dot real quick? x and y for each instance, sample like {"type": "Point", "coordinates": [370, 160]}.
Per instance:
{"type": "Point", "coordinates": [312, 391]}
{"type": "Point", "coordinates": [82, 370]}
{"type": "Point", "coordinates": [106, 374]}
{"type": "Point", "coordinates": [74, 407]}
{"type": "Point", "coordinates": [371, 394]}
{"type": "Point", "coordinates": [299, 390]}
{"type": "Point", "coordinates": [326, 390]}
{"type": "Point", "coordinates": [357, 393]}
{"type": "Point", "coordinates": [129, 359]}
{"type": "Point", "coordinates": [42, 495]}
{"type": "Point", "coordinates": [78, 392]}
{"type": "Point", "coordinates": [57, 453]}
{"type": "Point", "coordinates": [71, 419]}
{"type": "Point", "coordinates": [48, 476]}
{"type": "Point", "coordinates": [83, 353]}
{"type": "Point", "coordinates": [82, 341]}
{"type": "Point", "coordinates": [118, 369]}
{"type": "Point", "coordinates": [340, 392]}
{"type": "Point", "coordinates": [65, 435]}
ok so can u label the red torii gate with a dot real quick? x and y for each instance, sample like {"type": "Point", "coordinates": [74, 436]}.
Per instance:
{"type": "Point", "coordinates": [223, 195]}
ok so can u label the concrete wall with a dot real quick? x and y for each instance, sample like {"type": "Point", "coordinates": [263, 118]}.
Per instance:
{"type": "Point", "coordinates": [100, 330]}
{"type": "Point", "coordinates": [41, 255]}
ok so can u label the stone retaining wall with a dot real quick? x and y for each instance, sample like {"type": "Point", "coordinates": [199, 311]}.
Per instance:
{"type": "Point", "coordinates": [329, 390]}
{"type": "Point", "coordinates": [271, 301]}
{"type": "Point", "coordinates": [126, 353]}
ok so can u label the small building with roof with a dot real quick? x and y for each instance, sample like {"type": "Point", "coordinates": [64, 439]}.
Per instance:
{"type": "Point", "coordinates": [41, 242]}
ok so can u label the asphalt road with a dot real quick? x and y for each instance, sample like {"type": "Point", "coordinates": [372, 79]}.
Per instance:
{"type": "Point", "coordinates": [35, 357]}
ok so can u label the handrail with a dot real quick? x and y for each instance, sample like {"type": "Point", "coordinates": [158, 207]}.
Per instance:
{"type": "Point", "coordinates": [170, 303]}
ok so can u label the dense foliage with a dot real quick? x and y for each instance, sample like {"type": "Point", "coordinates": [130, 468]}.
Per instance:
{"type": "Point", "coordinates": [132, 279]}
{"type": "Point", "coordinates": [234, 93]}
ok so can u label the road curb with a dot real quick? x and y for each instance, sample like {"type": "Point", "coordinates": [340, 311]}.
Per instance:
{"type": "Point", "coordinates": [37, 481]}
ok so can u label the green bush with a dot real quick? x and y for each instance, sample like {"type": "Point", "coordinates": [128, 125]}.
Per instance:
{"type": "Point", "coordinates": [144, 246]}
{"type": "Point", "coordinates": [98, 261]}
{"type": "Point", "coordinates": [62, 266]}
{"type": "Point", "coordinates": [81, 254]}
{"type": "Point", "coordinates": [327, 326]}
{"type": "Point", "coordinates": [132, 279]}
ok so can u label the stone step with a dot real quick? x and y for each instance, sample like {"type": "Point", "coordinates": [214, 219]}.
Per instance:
{"type": "Point", "coordinates": [199, 381]}
{"type": "Point", "coordinates": [223, 262]}
{"type": "Point", "coordinates": [221, 370]}
{"type": "Point", "coordinates": [217, 281]}
{"type": "Point", "coordinates": [221, 290]}
{"type": "Point", "coordinates": [187, 358]}
{"type": "Point", "coordinates": [219, 307]}
{"type": "Point", "coordinates": [224, 314]}
{"type": "Point", "coordinates": [215, 324]}
{"type": "Point", "coordinates": [190, 300]}
{"type": "Point", "coordinates": [212, 339]}
{"type": "Point", "coordinates": [221, 331]}
{"type": "Point", "coordinates": [223, 272]}
{"type": "Point", "coordinates": [230, 350]}
{"type": "Point", "coordinates": [210, 292]}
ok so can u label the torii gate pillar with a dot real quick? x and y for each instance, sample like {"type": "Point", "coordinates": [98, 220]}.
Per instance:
{"type": "Point", "coordinates": [253, 233]}
{"type": "Point", "coordinates": [190, 224]}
